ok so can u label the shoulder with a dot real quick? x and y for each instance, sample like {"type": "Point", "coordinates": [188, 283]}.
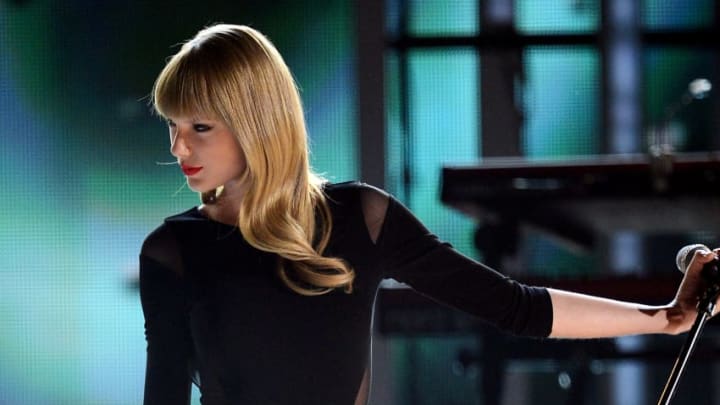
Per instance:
{"type": "Point", "coordinates": [162, 239]}
{"type": "Point", "coordinates": [157, 242]}
{"type": "Point", "coordinates": [373, 202]}
{"type": "Point", "coordinates": [357, 193]}
{"type": "Point", "coordinates": [354, 190]}
{"type": "Point", "coordinates": [162, 245]}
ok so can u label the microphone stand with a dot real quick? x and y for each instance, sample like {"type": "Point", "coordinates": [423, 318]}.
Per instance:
{"type": "Point", "coordinates": [705, 310]}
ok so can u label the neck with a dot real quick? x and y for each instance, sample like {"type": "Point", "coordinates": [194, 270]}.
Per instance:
{"type": "Point", "coordinates": [221, 212]}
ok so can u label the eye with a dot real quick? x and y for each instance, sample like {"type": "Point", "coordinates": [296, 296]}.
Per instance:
{"type": "Point", "coordinates": [170, 124]}
{"type": "Point", "coordinates": [201, 127]}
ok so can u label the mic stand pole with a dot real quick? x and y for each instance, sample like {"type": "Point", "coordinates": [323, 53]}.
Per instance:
{"type": "Point", "coordinates": [705, 310]}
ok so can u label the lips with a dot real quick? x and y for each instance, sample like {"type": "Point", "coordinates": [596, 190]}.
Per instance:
{"type": "Point", "coordinates": [190, 170]}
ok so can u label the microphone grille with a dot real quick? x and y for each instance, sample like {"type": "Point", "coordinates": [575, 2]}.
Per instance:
{"type": "Point", "coordinates": [685, 255]}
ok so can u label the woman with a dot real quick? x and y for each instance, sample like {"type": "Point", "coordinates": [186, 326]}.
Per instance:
{"type": "Point", "coordinates": [264, 293]}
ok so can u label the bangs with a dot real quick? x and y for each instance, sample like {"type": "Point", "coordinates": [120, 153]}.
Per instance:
{"type": "Point", "coordinates": [183, 88]}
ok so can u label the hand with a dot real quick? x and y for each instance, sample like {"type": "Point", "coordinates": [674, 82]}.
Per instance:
{"type": "Point", "coordinates": [683, 309]}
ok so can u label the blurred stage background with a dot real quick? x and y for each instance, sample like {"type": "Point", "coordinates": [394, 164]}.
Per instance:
{"type": "Point", "coordinates": [411, 79]}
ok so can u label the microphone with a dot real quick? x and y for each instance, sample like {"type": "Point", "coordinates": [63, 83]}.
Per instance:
{"type": "Point", "coordinates": [661, 138]}
{"type": "Point", "coordinates": [705, 308]}
{"type": "Point", "coordinates": [711, 270]}
{"type": "Point", "coordinates": [699, 88]}
{"type": "Point", "coordinates": [685, 255]}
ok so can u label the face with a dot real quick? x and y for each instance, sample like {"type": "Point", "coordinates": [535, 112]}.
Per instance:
{"type": "Point", "coordinates": [208, 153]}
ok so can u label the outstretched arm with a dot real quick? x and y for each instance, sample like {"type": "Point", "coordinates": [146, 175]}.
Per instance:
{"type": "Point", "coordinates": [584, 316]}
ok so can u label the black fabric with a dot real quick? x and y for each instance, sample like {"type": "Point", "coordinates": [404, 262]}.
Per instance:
{"type": "Point", "coordinates": [225, 316]}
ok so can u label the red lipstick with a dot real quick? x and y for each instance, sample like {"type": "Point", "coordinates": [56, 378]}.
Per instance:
{"type": "Point", "coordinates": [190, 170]}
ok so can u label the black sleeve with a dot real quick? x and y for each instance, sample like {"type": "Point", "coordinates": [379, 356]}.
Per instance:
{"type": "Point", "coordinates": [169, 347]}
{"type": "Point", "coordinates": [413, 255]}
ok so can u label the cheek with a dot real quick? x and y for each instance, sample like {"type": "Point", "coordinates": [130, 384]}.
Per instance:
{"type": "Point", "coordinates": [238, 155]}
{"type": "Point", "coordinates": [232, 154]}
{"type": "Point", "coordinates": [240, 161]}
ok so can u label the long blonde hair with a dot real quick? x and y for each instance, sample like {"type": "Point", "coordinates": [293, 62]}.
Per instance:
{"type": "Point", "coordinates": [234, 73]}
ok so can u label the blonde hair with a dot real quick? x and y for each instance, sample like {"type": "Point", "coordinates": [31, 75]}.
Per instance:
{"type": "Point", "coordinates": [235, 74]}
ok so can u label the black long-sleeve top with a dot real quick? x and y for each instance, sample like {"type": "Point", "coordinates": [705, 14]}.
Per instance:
{"type": "Point", "coordinates": [217, 313]}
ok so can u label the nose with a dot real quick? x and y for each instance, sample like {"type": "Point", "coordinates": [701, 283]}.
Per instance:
{"type": "Point", "coordinates": [178, 144]}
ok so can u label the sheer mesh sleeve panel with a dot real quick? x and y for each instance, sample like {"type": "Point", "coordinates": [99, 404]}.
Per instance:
{"type": "Point", "coordinates": [162, 247]}
{"type": "Point", "coordinates": [162, 294]}
{"type": "Point", "coordinates": [413, 255]}
{"type": "Point", "coordinates": [374, 206]}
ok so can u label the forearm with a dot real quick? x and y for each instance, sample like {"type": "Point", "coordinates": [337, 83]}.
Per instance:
{"type": "Point", "coordinates": [584, 316]}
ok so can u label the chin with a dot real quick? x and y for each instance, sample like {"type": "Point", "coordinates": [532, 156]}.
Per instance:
{"type": "Point", "coordinates": [197, 186]}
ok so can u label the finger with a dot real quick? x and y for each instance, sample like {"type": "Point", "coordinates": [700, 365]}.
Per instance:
{"type": "Point", "coordinates": [704, 256]}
